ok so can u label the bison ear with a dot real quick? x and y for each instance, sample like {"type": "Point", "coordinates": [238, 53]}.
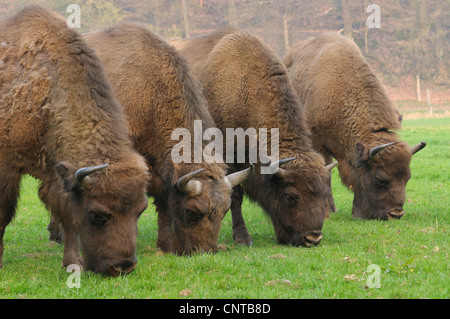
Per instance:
{"type": "Point", "coordinates": [360, 154]}
{"type": "Point", "coordinates": [67, 173]}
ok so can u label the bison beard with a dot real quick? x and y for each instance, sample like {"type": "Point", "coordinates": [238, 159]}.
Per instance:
{"type": "Point", "coordinates": [57, 115]}
{"type": "Point", "coordinates": [353, 120]}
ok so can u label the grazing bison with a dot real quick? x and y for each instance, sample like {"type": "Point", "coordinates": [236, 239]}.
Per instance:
{"type": "Point", "coordinates": [353, 120]}
{"type": "Point", "coordinates": [247, 86]}
{"type": "Point", "coordinates": [154, 84]}
{"type": "Point", "coordinates": [60, 122]}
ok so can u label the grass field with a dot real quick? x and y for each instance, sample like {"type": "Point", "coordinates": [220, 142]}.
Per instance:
{"type": "Point", "coordinates": [411, 253]}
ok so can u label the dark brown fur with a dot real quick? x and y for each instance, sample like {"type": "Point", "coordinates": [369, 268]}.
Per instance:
{"type": "Point", "coordinates": [58, 114]}
{"type": "Point", "coordinates": [154, 84]}
{"type": "Point", "coordinates": [247, 86]}
{"type": "Point", "coordinates": [349, 113]}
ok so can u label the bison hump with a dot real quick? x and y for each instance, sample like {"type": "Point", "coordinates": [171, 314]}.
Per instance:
{"type": "Point", "coordinates": [382, 116]}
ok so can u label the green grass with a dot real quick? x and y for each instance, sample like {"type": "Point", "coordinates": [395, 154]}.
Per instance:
{"type": "Point", "coordinates": [412, 252]}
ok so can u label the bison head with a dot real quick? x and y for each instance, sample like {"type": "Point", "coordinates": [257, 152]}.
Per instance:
{"type": "Point", "coordinates": [378, 179]}
{"type": "Point", "coordinates": [297, 199]}
{"type": "Point", "coordinates": [105, 213]}
{"type": "Point", "coordinates": [197, 206]}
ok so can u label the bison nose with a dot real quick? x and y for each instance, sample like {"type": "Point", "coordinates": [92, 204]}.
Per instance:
{"type": "Point", "coordinates": [123, 267]}
{"type": "Point", "coordinates": [313, 238]}
{"type": "Point", "coordinates": [395, 214]}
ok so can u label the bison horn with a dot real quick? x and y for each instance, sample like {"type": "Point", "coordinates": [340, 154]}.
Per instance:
{"type": "Point", "coordinates": [81, 173]}
{"type": "Point", "coordinates": [236, 178]}
{"type": "Point", "coordinates": [417, 147]}
{"type": "Point", "coordinates": [329, 167]}
{"type": "Point", "coordinates": [189, 187]}
{"type": "Point", "coordinates": [374, 151]}
{"type": "Point", "coordinates": [280, 172]}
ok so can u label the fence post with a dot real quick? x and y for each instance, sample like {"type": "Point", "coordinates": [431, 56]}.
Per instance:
{"type": "Point", "coordinates": [429, 102]}
{"type": "Point", "coordinates": [419, 98]}
{"type": "Point", "coordinates": [286, 32]}
{"type": "Point", "coordinates": [187, 34]}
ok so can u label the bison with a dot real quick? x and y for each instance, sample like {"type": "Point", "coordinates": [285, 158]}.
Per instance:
{"type": "Point", "coordinates": [159, 94]}
{"type": "Point", "coordinates": [247, 86]}
{"type": "Point", "coordinates": [353, 120]}
{"type": "Point", "coordinates": [61, 123]}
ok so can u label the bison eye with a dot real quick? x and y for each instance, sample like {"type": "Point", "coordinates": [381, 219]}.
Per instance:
{"type": "Point", "coordinates": [291, 200]}
{"type": "Point", "coordinates": [381, 182]}
{"type": "Point", "coordinates": [98, 218]}
{"type": "Point", "coordinates": [193, 215]}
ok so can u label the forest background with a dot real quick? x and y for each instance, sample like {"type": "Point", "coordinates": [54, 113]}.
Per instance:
{"type": "Point", "coordinates": [411, 44]}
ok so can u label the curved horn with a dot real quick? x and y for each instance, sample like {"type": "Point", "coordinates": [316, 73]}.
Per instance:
{"type": "Point", "coordinates": [374, 151]}
{"type": "Point", "coordinates": [188, 187]}
{"type": "Point", "coordinates": [280, 172]}
{"type": "Point", "coordinates": [417, 147]}
{"type": "Point", "coordinates": [329, 167]}
{"type": "Point", "coordinates": [236, 178]}
{"type": "Point", "coordinates": [81, 173]}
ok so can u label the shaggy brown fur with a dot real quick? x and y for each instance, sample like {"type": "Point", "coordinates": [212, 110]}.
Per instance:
{"type": "Point", "coordinates": [198, 46]}
{"type": "Point", "coordinates": [154, 84]}
{"type": "Point", "coordinates": [349, 113]}
{"type": "Point", "coordinates": [247, 86]}
{"type": "Point", "coordinates": [58, 114]}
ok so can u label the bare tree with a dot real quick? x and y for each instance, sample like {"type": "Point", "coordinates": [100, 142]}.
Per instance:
{"type": "Point", "coordinates": [366, 30]}
{"type": "Point", "coordinates": [286, 32]}
{"type": "Point", "coordinates": [346, 16]}
{"type": "Point", "coordinates": [232, 19]}
{"type": "Point", "coordinates": [287, 7]}
{"type": "Point", "coordinates": [185, 19]}
{"type": "Point", "coordinates": [423, 12]}
{"type": "Point", "coordinates": [156, 10]}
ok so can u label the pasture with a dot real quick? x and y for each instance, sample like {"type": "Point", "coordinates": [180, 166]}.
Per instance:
{"type": "Point", "coordinates": [411, 253]}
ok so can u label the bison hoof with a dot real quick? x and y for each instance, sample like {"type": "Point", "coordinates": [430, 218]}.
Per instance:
{"type": "Point", "coordinates": [72, 261]}
{"type": "Point", "coordinates": [165, 246]}
{"type": "Point", "coordinates": [243, 238]}
{"type": "Point", "coordinates": [56, 237]}
{"type": "Point", "coordinates": [245, 242]}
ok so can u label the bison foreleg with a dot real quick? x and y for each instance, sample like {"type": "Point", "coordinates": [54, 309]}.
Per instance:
{"type": "Point", "coordinates": [61, 225]}
{"type": "Point", "coordinates": [331, 205]}
{"type": "Point", "coordinates": [240, 232]}
{"type": "Point", "coordinates": [164, 241]}
{"type": "Point", "coordinates": [55, 229]}
{"type": "Point", "coordinates": [9, 193]}
{"type": "Point", "coordinates": [71, 249]}
{"type": "Point", "coordinates": [328, 160]}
